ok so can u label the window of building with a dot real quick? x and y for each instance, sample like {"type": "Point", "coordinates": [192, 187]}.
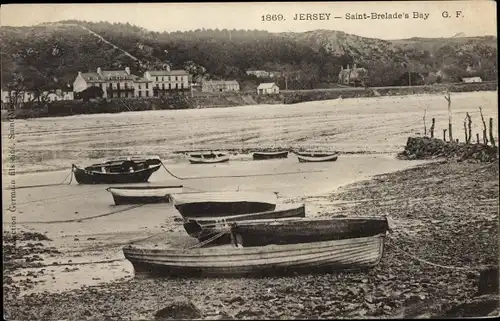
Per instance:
{"type": "Point", "coordinates": [169, 86]}
{"type": "Point", "coordinates": [140, 93]}
{"type": "Point", "coordinates": [176, 86]}
{"type": "Point", "coordinates": [163, 86]}
{"type": "Point", "coordinates": [147, 93]}
{"type": "Point", "coordinates": [176, 78]}
{"type": "Point", "coordinates": [157, 78]}
{"type": "Point", "coordinates": [147, 85]}
{"type": "Point", "coordinates": [182, 85]}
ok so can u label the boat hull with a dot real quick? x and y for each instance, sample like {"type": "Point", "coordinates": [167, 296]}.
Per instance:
{"type": "Point", "coordinates": [224, 261]}
{"type": "Point", "coordinates": [197, 160]}
{"type": "Point", "coordinates": [269, 155]}
{"type": "Point", "coordinates": [315, 154]}
{"type": "Point", "coordinates": [295, 231]}
{"type": "Point", "coordinates": [309, 159]}
{"type": "Point", "coordinates": [142, 194]}
{"type": "Point", "coordinates": [84, 176]}
{"type": "Point", "coordinates": [204, 228]}
{"type": "Point", "coordinates": [214, 204]}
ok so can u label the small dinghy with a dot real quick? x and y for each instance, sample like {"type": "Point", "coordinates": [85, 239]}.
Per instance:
{"type": "Point", "coordinates": [269, 155]}
{"type": "Point", "coordinates": [306, 230]}
{"type": "Point", "coordinates": [142, 194]}
{"type": "Point", "coordinates": [161, 258]}
{"type": "Point", "coordinates": [217, 204]}
{"type": "Point", "coordinates": [117, 171]}
{"type": "Point", "coordinates": [208, 158]}
{"type": "Point", "coordinates": [310, 159]}
{"type": "Point", "coordinates": [203, 228]}
{"type": "Point", "coordinates": [315, 154]}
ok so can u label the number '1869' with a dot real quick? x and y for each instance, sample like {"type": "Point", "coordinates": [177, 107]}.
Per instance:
{"type": "Point", "coordinates": [272, 17]}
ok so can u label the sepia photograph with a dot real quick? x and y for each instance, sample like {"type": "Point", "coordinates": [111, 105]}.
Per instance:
{"type": "Point", "coordinates": [250, 160]}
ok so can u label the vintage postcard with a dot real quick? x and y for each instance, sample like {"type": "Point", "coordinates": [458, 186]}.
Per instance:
{"type": "Point", "coordinates": [259, 160]}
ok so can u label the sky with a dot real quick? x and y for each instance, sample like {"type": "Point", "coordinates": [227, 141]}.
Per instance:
{"type": "Point", "coordinates": [476, 18]}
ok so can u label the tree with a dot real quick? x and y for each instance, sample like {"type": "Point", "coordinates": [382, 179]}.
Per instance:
{"type": "Point", "coordinates": [91, 93]}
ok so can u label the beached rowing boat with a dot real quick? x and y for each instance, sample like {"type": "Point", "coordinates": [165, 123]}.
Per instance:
{"type": "Point", "coordinates": [209, 160]}
{"type": "Point", "coordinates": [203, 228]}
{"type": "Point", "coordinates": [117, 171]}
{"type": "Point", "coordinates": [305, 230]}
{"type": "Point", "coordinates": [226, 260]}
{"type": "Point", "coordinates": [269, 155]}
{"type": "Point", "coordinates": [310, 159]}
{"type": "Point", "coordinates": [216, 204]}
{"type": "Point", "coordinates": [315, 154]}
{"type": "Point", "coordinates": [142, 194]}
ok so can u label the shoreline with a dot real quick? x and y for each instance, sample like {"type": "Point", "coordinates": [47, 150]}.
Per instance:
{"type": "Point", "coordinates": [433, 213]}
{"type": "Point", "coordinates": [289, 97]}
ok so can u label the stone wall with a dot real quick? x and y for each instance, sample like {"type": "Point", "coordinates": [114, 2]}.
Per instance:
{"type": "Point", "coordinates": [428, 148]}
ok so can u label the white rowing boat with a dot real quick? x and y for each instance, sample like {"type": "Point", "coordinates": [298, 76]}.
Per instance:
{"type": "Point", "coordinates": [143, 194]}
{"type": "Point", "coordinates": [308, 159]}
{"type": "Point", "coordinates": [226, 260]}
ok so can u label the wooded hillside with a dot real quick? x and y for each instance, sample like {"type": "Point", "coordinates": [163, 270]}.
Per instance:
{"type": "Point", "coordinates": [50, 55]}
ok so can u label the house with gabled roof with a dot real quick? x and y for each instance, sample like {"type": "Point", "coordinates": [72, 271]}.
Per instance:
{"type": "Point", "coordinates": [268, 88]}
{"type": "Point", "coordinates": [114, 83]}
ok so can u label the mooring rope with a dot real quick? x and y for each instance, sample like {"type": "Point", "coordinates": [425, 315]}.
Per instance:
{"type": "Point", "coordinates": [237, 176]}
{"type": "Point", "coordinates": [58, 197]}
{"type": "Point", "coordinates": [45, 185]}
{"type": "Point", "coordinates": [83, 218]}
{"type": "Point", "coordinates": [469, 269]}
{"type": "Point", "coordinates": [213, 238]}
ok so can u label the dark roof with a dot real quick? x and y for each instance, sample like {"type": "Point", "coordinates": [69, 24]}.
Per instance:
{"type": "Point", "coordinates": [167, 73]}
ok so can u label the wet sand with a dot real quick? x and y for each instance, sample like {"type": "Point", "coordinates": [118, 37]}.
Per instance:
{"type": "Point", "coordinates": [445, 213]}
{"type": "Point", "coordinates": [67, 213]}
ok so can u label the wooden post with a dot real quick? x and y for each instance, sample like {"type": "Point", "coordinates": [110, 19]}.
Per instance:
{"type": "Point", "coordinates": [470, 128]}
{"type": "Point", "coordinates": [477, 137]}
{"type": "Point", "coordinates": [432, 127]}
{"type": "Point", "coordinates": [450, 130]}
{"type": "Point", "coordinates": [444, 134]}
{"type": "Point", "coordinates": [492, 139]}
{"type": "Point", "coordinates": [465, 131]}
{"type": "Point", "coordinates": [485, 139]}
{"type": "Point", "coordinates": [425, 125]}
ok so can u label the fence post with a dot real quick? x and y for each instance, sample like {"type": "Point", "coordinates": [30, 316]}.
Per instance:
{"type": "Point", "coordinates": [492, 139]}
{"type": "Point", "coordinates": [432, 127]}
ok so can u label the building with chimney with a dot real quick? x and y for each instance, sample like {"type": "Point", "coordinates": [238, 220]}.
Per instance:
{"type": "Point", "coordinates": [352, 77]}
{"type": "Point", "coordinates": [114, 83]}
{"type": "Point", "coordinates": [167, 81]}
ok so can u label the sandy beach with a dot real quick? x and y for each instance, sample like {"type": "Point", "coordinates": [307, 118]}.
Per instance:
{"type": "Point", "coordinates": [69, 237]}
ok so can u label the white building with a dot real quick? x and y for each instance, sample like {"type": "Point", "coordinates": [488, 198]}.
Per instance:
{"type": "Point", "coordinates": [472, 79]}
{"type": "Point", "coordinates": [220, 86]}
{"type": "Point", "coordinates": [268, 88]}
{"type": "Point", "coordinates": [114, 83]}
{"type": "Point", "coordinates": [164, 81]}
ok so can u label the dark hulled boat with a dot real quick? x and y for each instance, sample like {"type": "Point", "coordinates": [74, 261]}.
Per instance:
{"type": "Point", "coordinates": [269, 155]}
{"type": "Point", "coordinates": [203, 228]}
{"type": "Point", "coordinates": [216, 204]}
{"type": "Point", "coordinates": [307, 230]}
{"type": "Point", "coordinates": [117, 171]}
